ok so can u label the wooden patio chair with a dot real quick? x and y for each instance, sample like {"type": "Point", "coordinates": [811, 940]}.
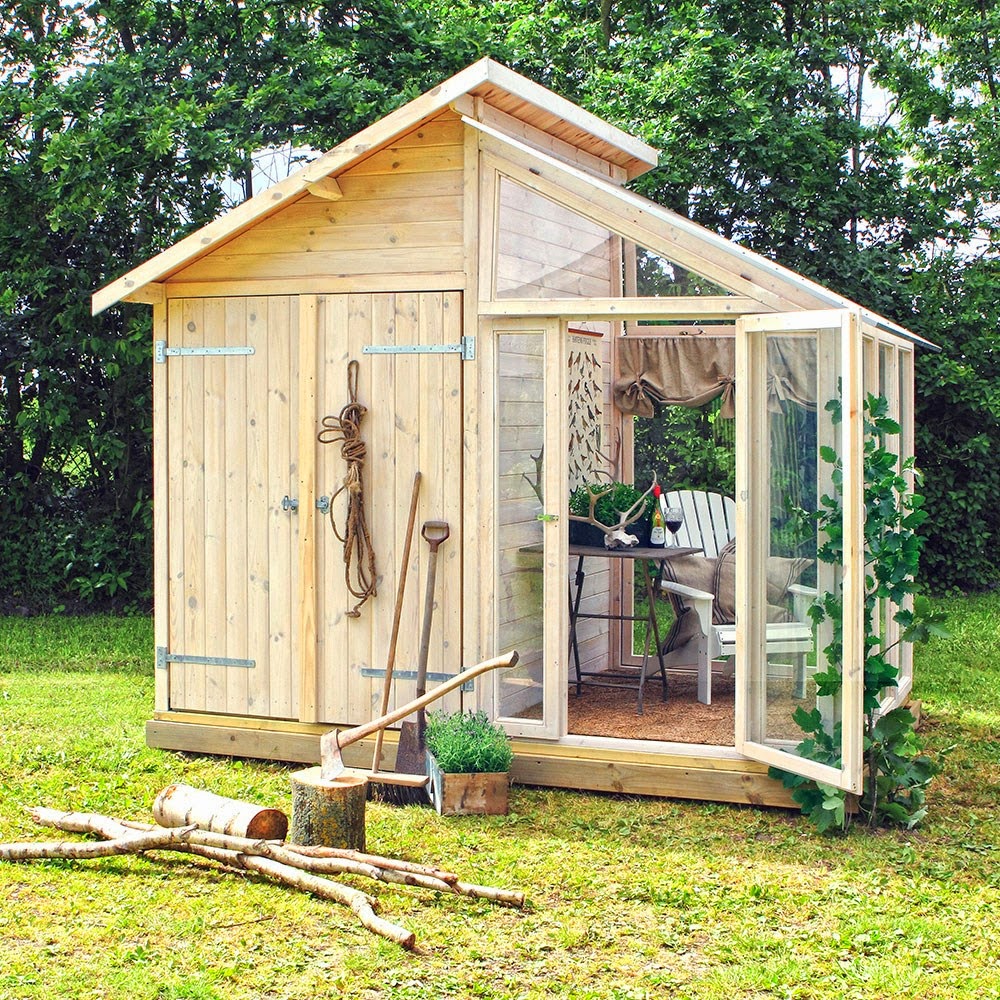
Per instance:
{"type": "Point", "coordinates": [701, 591]}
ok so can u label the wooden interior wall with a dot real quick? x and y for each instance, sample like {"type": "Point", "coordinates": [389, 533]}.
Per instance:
{"type": "Point", "coordinates": [414, 422]}
{"type": "Point", "coordinates": [231, 548]}
{"type": "Point", "coordinates": [546, 251]}
{"type": "Point", "coordinates": [401, 213]}
{"type": "Point", "coordinates": [520, 415]}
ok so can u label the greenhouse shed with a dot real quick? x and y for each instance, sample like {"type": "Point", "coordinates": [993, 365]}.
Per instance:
{"type": "Point", "coordinates": [471, 270]}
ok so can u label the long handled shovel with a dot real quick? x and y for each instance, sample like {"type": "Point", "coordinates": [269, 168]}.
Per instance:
{"type": "Point", "coordinates": [411, 752]}
{"type": "Point", "coordinates": [397, 612]}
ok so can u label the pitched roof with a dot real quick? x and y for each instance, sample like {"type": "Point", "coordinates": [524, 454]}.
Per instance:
{"type": "Point", "coordinates": [496, 84]}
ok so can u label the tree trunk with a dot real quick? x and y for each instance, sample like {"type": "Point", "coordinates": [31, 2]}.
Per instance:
{"type": "Point", "coordinates": [178, 805]}
{"type": "Point", "coordinates": [328, 813]}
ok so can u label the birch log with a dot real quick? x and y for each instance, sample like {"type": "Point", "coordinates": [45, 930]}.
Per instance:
{"type": "Point", "coordinates": [328, 813]}
{"type": "Point", "coordinates": [180, 805]}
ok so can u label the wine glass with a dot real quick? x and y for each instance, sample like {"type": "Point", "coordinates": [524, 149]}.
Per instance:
{"type": "Point", "coordinates": [673, 520]}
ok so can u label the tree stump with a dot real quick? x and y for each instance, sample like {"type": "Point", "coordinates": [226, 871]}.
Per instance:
{"type": "Point", "coordinates": [328, 813]}
{"type": "Point", "coordinates": [178, 805]}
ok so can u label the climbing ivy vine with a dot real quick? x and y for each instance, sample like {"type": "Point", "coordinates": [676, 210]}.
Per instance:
{"type": "Point", "coordinates": [896, 772]}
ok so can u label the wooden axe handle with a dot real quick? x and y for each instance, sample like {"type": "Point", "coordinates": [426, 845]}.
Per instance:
{"type": "Point", "coordinates": [335, 740]}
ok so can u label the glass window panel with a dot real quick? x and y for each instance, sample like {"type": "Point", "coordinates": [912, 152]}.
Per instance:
{"type": "Point", "coordinates": [520, 395]}
{"type": "Point", "coordinates": [547, 251]}
{"type": "Point", "coordinates": [655, 275]}
{"type": "Point", "coordinates": [802, 559]}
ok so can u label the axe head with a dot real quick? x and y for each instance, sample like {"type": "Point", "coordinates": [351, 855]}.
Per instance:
{"type": "Point", "coordinates": [331, 764]}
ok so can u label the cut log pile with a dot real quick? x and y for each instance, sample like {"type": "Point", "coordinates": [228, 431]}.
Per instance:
{"type": "Point", "coordinates": [302, 867]}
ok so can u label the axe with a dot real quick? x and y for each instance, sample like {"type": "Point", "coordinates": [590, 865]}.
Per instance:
{"type": "Point", "coordinates": [332, 742]}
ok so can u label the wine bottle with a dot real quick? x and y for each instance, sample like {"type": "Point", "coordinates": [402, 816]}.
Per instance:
{"type": "Point", "coordinates": [657, 533]}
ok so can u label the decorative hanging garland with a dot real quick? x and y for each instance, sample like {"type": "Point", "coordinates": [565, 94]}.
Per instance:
{"type": "Point", "coordinates": [359, 556]}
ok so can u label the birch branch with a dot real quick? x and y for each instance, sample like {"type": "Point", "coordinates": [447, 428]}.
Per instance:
{"type": "Point", "coordinates": [133, 843]}
{"type": "Point", "coordinates": [183, 839]}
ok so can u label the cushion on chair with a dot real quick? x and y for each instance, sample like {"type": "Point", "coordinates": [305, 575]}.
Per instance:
{"type": "Point", "coordinates": [782, 572]}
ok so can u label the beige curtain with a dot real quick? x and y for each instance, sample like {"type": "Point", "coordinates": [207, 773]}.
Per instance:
{"type": "Point", "coordinates": [692, 371]}
{"type": "Point", "coordinates": [679, 371]}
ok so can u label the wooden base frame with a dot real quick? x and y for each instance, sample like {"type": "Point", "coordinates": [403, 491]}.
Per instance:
{"type": "Point", "coordinates": [721, 777]}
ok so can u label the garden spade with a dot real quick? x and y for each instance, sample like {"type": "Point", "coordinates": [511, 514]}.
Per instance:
{"type": "Point", "coordinates": [411, 752]}
{"type": "Point", "coordinates": [331, 743]}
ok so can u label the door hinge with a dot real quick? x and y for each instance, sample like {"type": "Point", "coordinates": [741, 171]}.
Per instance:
{"type": "Point", "coordinates": [161, 352]}
{"type": "Point", "coordinates": [411, 675]}
{"type": "Point", "coordinates": [163, 658]}
{"type": "Point", "coordinates": [466, 347]}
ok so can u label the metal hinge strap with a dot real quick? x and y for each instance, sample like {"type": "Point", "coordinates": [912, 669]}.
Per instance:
{"type": "Point", "coordinates": [163, 658]}
{"type": "Point", "coordinates": [161, 352]}
{"type": "Point", "coordinates": [466, 347]}
{"type": "Point", "coordinates": [411, 675]}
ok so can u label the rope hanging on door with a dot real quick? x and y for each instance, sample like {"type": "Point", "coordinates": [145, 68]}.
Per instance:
{"type": "Point", "coordinates": [359, 557]}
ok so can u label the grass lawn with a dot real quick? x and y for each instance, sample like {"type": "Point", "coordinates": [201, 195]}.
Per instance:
{"type": "Point", "coordinates": [629, 898]}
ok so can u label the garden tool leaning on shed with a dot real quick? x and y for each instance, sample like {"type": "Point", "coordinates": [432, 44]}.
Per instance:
{"type": "Point", "coordinates": [411, 752]}
{"type": "Point", "coordinates": [331, 743]}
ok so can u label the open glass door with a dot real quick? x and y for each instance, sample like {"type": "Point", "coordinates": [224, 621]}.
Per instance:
{"type": "Point", "coordinates": [531, 540]}
{"type": "Point", "coordinates": [799, 452]}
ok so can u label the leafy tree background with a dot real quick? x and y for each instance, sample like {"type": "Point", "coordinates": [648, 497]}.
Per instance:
{"type": "Point", "coordinates": [852, 141]}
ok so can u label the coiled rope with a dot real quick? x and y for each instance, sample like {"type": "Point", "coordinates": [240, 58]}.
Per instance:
{"type": "Point", "coordinates": [359, 557]}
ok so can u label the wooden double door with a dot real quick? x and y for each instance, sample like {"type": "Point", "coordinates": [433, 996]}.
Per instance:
{"type": "Point", "coordinates": [252, 596]}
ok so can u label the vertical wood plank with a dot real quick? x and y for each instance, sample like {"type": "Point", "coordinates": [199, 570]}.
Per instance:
{"type": "Point", "coordinates": [408, 433]}
{"type": "Point", "coordinates": [194, 504]}
{"type": "Point", "coordinates": [216, 539]}
{"type": "Point", "coordinates": [161, 503]}
{"type": "Point", "coordinates": [279, 423]}
{"type": "Point", "coordinates": [359, 630]}
{"type": "Point", "coordinates": [452, 575]}
{"type": "Point", "coordinates": [175, 504]}
{"type": "Point", "coordinates": [389, 499]}
{"type": "Point", "coordinates": [237, 486]}
{"type": "Point", "coordinates": [481, 472]}
{"type": "Point", "coordinates": [307, 493]}
{"type": "Point", "coordinates": [333, 663]}
{"type": "Point", "coordinates": [431, 434]}
{"type": "Point", "coordinates": [475, 437]}
{"type": "Point", "coordinates": [294, 549]}
{"type": "Point", "coordinates": [259, 510]}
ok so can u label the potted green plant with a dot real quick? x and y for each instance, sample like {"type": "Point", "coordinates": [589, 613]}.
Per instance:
{"type": "Point", "coordinates": [468, 763]}
{"type": "Point", "coordinates": [599, 513]}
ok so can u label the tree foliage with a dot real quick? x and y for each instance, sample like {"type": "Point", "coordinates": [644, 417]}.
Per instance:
{"type": "Point", "coordinates": [854, 142]}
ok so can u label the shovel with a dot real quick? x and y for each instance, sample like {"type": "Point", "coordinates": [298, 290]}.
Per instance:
{"type": "Point", "coordinates": [411, 752]}
{"type": "Point", "coordinates": [331, 743]}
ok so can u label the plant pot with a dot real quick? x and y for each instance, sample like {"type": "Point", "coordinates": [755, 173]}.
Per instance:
{"type": "Point", "coordinates": [467, 794]}
{"type": "Point", "coordinates": [581, 533]}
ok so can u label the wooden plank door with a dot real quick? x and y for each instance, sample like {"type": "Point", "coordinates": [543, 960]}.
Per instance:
{"type": "Point", "coordinates": [232, 560]}
{"type": "Point", "coordinates": [414, 422]}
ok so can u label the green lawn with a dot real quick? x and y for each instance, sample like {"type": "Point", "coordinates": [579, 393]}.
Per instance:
{"type": "Point", "coordinates": [629, 898]}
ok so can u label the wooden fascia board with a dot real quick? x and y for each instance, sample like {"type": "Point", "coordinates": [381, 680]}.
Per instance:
{"type": "Point", "coordinates": [534, 93]}
{"type": "Point", "coordinates": [683, 307]}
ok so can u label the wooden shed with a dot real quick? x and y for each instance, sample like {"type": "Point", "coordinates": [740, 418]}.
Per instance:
{"type": "Point", "coordinates": [511, 306]}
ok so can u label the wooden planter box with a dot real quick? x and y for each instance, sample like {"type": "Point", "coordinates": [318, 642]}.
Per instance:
{"type": "Point", "coordinates": [467, 794]}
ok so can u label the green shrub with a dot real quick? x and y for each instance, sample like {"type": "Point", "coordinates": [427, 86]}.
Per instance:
{"type": "Point", "coordinates": [607, 508]}
{"type": "Point", "coordinates": [468, 743]}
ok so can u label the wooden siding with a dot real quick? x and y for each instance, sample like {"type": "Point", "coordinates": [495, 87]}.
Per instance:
{"type": "Point", "coordinates": [231, 573]}
{"type": "Point", "coordinates": [401, 212]}
{"type": "Point", "coordinates": [414, 422]}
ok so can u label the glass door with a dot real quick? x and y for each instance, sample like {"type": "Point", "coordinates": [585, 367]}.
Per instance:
{"type": "Point", "coordinates": [799, 529]}
{"type": "Point", "coordinates": [531, 611]}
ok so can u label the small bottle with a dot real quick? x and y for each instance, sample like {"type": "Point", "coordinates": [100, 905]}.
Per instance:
{"type": "Point", "coordinates": [657, 533]}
